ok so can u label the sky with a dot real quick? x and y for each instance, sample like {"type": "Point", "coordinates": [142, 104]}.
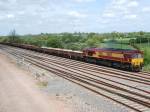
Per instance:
{"type": "Point", "coordinates": [56, 16]}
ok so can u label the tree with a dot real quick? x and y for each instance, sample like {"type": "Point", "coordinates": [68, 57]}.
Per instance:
{"type": "Point", "coordinates": [13, 37]}
{"type": "Point", "coordinates": [94, 41]}
{"type": "Point", "coordinates": [54, 42]}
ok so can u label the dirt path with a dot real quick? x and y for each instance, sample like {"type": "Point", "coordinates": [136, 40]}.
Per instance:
{"type": "Point", "coordinates": [19, 93]}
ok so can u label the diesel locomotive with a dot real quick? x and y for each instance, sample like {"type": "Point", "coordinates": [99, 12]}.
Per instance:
{"type": "Point", "coordinates": [120, 58]}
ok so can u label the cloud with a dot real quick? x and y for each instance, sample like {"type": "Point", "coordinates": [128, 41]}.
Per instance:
{"type": "Point", "coordinates": [20, 12]}
{"type": "Point", "coordinates": [108, 14]}
{"type": "Point", "coordinates": [146, 9]}
{"type": "Point", "coordinates": [71, 15]}
{"type": "Point", "coordinates": [118, 2]}
{"type": "Point", "coordinates": [77, 14]}
{"type": "Point", "coordinates": [118, 15]}
{"type": "Point", "coordinates": [10, 15]}
{"type": "Point", "coordinates": [133, 4]}
{"type": "Point", "coordinates": [42, 15]}
{"type": "Point", "coordinates": [83, 1]}
{"type": "Point", "coordinates": [7, 16]}
{"type": "Point", "coordinates": [119, 10]}
{"type": "Point", "coordinates": [131, 16]}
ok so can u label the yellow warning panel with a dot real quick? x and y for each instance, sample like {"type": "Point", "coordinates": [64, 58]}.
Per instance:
{"type": "Point", "coordinates": [105, 54]}
{"type": "Point", "coordinates": [117, 55]}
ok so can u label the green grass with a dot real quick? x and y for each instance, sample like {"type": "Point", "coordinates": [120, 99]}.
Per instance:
{"type": "Point", "coordinates": [120, 40]}
{"type": "Point", "coordinates": [146, 48]}
{"type": "Point", "coordinates": [143, 45]}
{"type": "Point", "coordinates": [124, 41]}
{"type": "Point", "coordinates": [116, 45]}
{"type": "Point", "coordinates": [147, 68]}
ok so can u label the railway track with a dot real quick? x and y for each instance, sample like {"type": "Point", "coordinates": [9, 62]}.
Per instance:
{"type": "Point", "coordinates": [134, 98]}
{"type": "Point", "coordinates": [103, 68]}
{"type": "Point", "coordinates": [82, 68]}
{"type": "Point", "coordinates": [95, 68]}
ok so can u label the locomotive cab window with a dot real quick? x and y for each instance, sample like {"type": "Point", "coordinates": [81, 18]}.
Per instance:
{"type": "Point", "coordinates": [137, 56]}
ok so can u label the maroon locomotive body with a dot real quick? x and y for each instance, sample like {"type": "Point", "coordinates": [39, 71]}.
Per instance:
{"type": "Point", "coordinates": [122, 58]}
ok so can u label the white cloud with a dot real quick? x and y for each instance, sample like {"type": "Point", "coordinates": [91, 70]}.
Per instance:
{"type": "Point", "coordinates": [21, 12]}
{"type": "Point", "coordinates": [51, 15]}
{"type": "Point", "coordinates": [117, 10]}
{"type": "Point", "coordinates": [7, 16]}
{"type": "Point", "coordinates": [103, 21]}
{"type": "Point", "coordinates": [77, 14]}
{"type": "Point", "coordinates": [80, 1]}
{"type": "Point", "coordinates": [108, 14]}
{"type": "Point", "coordinates": [119, 2]}
{"type": "Point", "coordinates": [131, 16]}
{"type": "Point", "coordinates": [10, 16]}
{"type": "Point", "coordinates": [146, 9]}
{"type": "Point", "coordinates": [133, 4]}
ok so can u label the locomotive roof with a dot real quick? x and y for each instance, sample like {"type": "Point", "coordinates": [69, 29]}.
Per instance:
{"type": "Point", "coordinates": [114, 49]}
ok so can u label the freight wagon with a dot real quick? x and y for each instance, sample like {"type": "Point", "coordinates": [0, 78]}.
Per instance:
{"type": "Point", "coordinates": [77, 55]}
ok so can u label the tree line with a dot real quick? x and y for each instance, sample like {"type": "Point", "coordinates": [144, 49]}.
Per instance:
{"type": "Point", "coordinates": [78, 40]}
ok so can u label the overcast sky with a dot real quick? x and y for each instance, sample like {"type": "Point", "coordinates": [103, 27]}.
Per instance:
{"type": "Point", "coordinates": [36, 16]}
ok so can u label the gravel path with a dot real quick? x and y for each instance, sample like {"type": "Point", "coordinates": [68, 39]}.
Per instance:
{"type": "Point", "coordinates": [19, 92]}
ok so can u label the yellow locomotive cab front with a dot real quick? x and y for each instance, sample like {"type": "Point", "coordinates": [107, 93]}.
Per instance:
{"type": "Point", "coordinates": [137, 62]}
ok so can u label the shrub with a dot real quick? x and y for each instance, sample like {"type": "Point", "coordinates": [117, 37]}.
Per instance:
{"type": "Point", "coordinates": [147, 56]}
